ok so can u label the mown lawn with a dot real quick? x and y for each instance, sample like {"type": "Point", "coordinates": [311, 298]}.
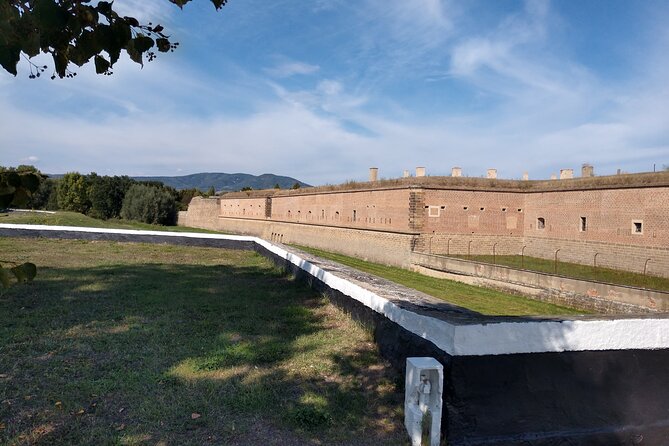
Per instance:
{"type": "Point", "coordinates": [63, 218]}
{"type": "Point", "coordinates": [482, 300]}
{"type": "Point", "coordinates": [577, 271]}
{"type": "Point", "coordinates": [129, 344]}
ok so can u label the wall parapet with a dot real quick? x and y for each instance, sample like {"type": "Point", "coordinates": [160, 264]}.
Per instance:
{"type": "Point", "coordinates": [591, 295]}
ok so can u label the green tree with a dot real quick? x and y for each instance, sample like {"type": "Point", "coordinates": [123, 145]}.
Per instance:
{"type": "Point", "coordinates": [211, 191]}
{"type": "Point", "coordinates": [74, 31]}
{"type": "Point", "coordinates": [276, 186]}
{"type": "Point", "coordinates": [73, 193]}
{"type": "Point", "coordinates": [149, 204]}
{"type": "Point", "coordinates": [296, 186]}
{"type": "Point", "coordinates": [46, 196]}
{"type": "Point", "coordinates": [106, 195]}
{"type": "Point", "coordinates": [185, 196]}
{"type": "Point", "coordinates": [247, 188]}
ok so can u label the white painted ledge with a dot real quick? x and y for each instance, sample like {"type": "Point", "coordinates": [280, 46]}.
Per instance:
{"type": "Point", "coordinates": [473, 339]}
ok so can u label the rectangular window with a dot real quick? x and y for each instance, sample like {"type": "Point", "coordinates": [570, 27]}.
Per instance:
{"type": "Point", "coordinates": [637, 227]}
{"type": "Point", "coordinates": [434, 211]}
{"type": "Point", "coordinates": [584, 224]}
{"type": "Point", "coordinates": [541, 223]}
{"type": "Point", "coordinates": [354, 215]}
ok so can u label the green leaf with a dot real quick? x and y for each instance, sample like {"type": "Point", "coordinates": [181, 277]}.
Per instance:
{"type": "Point", "coordinates": [163, 45]}
{"type": "Point", "coordinates": [219, 3]}
{"type": "Point", "coordinates": [31, 44]}
{"type": "Point", "coordinates": [20, 275]}
{"type": "Point", "coordinates": [104, 7]}
{"type": "Point", "coordinates": [30, 269]}
{"type": "Point", "coordinates": [60, 62]}
{"type": "Point", "coordinates": [131, 21]}
{"type": "Point", "coordinates": [101, 65]}
{"type": "Point", "coordinates": [5, 278]}
{"type": "Point", "coordinates": [143, 43]}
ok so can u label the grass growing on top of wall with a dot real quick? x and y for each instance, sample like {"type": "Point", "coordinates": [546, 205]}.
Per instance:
{"type": "Point", "coordinates": [131, 343]}
{"type": "Point", "coordinates": [577, 271]}
{"type": "Point", "coordinates": [482, 300]}
{"type": "Point", "coordinates": [63, 218]}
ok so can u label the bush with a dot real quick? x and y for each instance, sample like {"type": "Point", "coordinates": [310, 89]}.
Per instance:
{"type": "Point", "coordinates": [73, 193]}
{"type": "Point", "coordinates": [149, 204]}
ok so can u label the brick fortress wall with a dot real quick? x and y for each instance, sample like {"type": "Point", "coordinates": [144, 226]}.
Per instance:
{"type": "Point", "coordinates": [625, 227]}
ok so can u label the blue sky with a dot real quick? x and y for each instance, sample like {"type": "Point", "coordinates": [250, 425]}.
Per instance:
{"type": "Point", "coordinates": [323, 89]}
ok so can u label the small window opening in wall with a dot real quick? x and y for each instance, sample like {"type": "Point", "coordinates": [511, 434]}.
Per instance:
{"type": "Point", "coordinates": [503, 209]}
{"type": "Point", "coordinates": [427, 207]}
{"type": "Point", "coordinates": [464, 208]}
{"type": "Point", "coordinates": [354, 214]}
{"type": "Point", "coordinates": [482, 209]}
{"type": "Point", "coordinates": [584, 224]}
{"type": "Point", "coordinates": [443, 207]}
{"type": "Point", "coordinates": [337, 215]}
{"type": "Point", "coordinates": [323, 213]}
{"type": "Point", "coordinates": [541, 223]}
{"type": "Point", "coordinates": [520, 210]}
{"type": "Point", "coordinates": [637, 227]}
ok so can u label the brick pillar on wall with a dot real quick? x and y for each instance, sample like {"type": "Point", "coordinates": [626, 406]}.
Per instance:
{"type": "Point", "coordinates": [417, 216]}
{"type": "Point", "coordinates": [268, 207]}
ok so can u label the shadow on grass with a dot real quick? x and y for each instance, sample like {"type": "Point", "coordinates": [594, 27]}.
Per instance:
{"type": "Point", "coordinates": [174, 354]}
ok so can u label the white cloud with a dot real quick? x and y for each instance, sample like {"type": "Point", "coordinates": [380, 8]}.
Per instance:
{"type": "Point", "coordinates": [292, 68]}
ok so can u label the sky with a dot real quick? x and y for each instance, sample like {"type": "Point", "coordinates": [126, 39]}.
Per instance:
{"type": "Point", "coordinates": [321, 90]}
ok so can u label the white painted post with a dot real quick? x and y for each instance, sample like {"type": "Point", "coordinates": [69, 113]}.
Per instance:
{"type": "Point", "coordinates": [424, 385]}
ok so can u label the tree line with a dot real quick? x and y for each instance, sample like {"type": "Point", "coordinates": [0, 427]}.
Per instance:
{"type": "Point", "coordinates": [105, 197]}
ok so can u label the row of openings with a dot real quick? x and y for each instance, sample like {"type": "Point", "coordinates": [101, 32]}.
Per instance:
{"type": "Point", "coordinates": [637, 225]}
{"type": "Point", "coordinates": [434, 211]}
{"type": "Point", "coordinates": [337, 217]}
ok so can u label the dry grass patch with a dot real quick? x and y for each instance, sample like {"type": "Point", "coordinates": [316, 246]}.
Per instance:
{"type": "Point", "coordinates": [151, 344]}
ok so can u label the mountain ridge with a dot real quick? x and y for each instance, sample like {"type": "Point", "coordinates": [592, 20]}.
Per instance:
{"type": "Point", "coordinates": [225, 182]}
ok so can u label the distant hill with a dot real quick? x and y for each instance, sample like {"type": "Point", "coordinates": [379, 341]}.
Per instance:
{"type": "Point", "coordinates": [226, 182]}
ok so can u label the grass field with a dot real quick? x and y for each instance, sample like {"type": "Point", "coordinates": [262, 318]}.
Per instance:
{"type": "Point", "coordinates": [129, 344]}
{"type": "Point", "coordinates": [62, 218]}
{"type": "Point", "coordinates": [482, 300]}
{"type": "Point", "coordinates": [577, 271]}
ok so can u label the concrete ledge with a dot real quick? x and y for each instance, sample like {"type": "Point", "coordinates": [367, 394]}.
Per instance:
{"type": "Point", "coordinates": [507, 380]}
{"type": "Point", "coordinates": [597, 296]}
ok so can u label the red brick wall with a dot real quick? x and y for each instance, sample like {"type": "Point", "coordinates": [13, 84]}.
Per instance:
{"type": "Point", "coordinates": [386, 210]}
{"type": "Point", "coordinates": [609, 215]}
{"type": "Point", "coordinates": [503, 221]}
{"type": "Point", "coordinates": [474, 212]}
{"type": "Point", "coordinates": [243, 207]}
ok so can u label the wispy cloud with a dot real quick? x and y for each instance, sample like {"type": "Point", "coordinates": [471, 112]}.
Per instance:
{"type": "Point", "coordinates": [292, 68]}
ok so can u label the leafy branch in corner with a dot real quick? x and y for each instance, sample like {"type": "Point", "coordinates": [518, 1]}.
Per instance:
{"type": "Point", "coordinates": [16, 187]}
{"type": "Point", "coordinates": [74, 32]}
{"type": "Point", "coordinates": [19, 273]}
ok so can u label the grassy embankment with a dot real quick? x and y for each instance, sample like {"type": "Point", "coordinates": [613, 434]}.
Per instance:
{"type": "Point", "coordinates": [482, 300]}
{"type": "Point", "coordinates": [577, 271]}
{"type": "Point", "coordinates": [126, 343]}
{"type": "Point", "coordinates": [63, 218]}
